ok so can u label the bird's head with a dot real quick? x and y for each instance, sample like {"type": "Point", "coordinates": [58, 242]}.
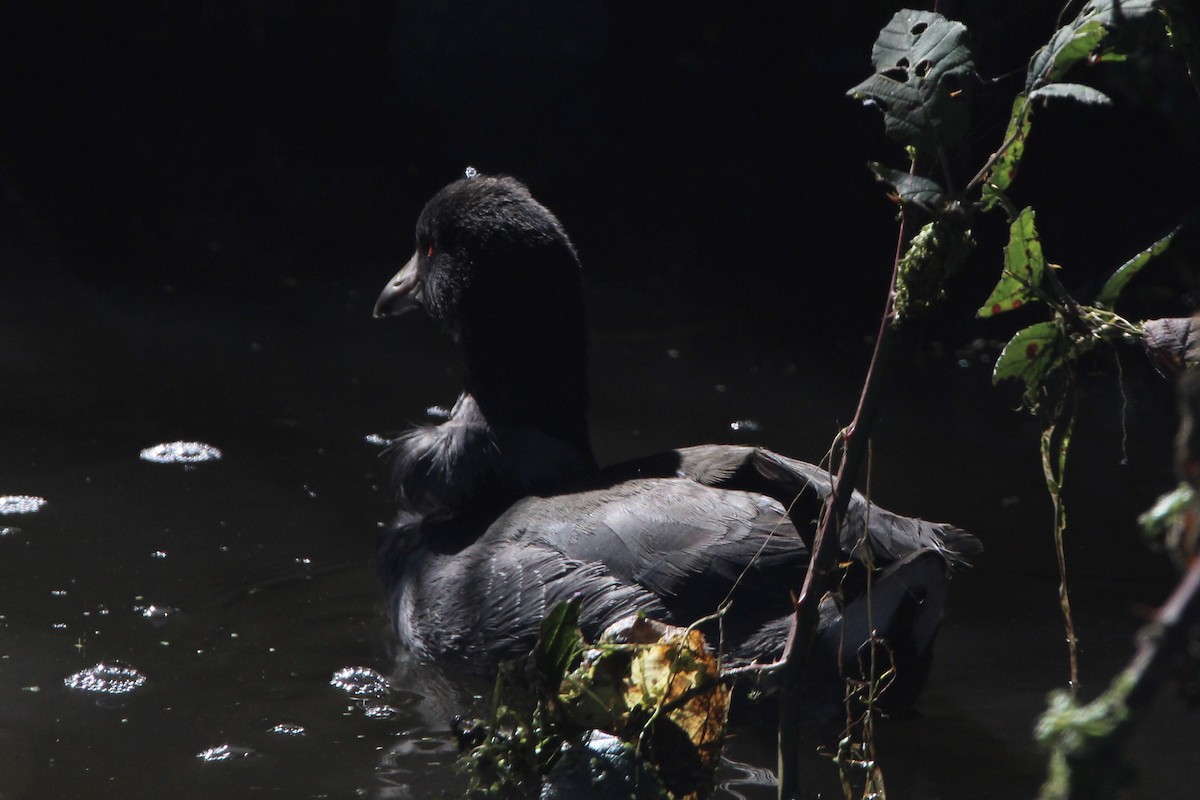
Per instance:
{"type": "Point", "coordinates": [497, 269]}
{"type": "Point", "coordinates": [485, 247]}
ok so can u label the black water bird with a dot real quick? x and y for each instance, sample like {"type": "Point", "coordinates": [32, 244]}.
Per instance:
{"type": "Point", "coordinates": [503, 511]}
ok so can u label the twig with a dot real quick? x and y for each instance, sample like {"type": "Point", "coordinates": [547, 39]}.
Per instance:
{"type": "Point", "coordinates": [1163, 637]}
{"type": "Point", "coordinates": [1055, 443]}
{"type": "Point", "coordinates": [823, 562]}
{"type": "Point", "coordinates": [1085, 741]}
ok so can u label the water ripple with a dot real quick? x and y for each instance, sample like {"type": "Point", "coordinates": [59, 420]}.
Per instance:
{"type": "Point", "coordinates": [109, 678]}
{"type": "Point", "coordinates": [180, 453]}
{"type": "Point", "coordinates": [20, 504]}
{"type": "Point", "coordinates": [225, 752]}
{"type": "Point", "coordinates": [360, 682]}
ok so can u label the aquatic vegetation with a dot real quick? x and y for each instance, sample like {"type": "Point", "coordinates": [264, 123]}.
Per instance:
{"type": "Point", "coordinates": [642, 713]}
{"type": "Point", "coordinates": [921, 85]}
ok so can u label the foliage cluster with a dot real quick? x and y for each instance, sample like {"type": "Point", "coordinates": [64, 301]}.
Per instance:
{"type": "Point", "coordinates": [922, 85]}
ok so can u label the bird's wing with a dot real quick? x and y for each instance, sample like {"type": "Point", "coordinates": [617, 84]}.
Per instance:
{"type": "Point", "coordinates": [520, 585]}
{"type": "Point", "coordinates": [484, 604]}
{"type": "Point", "coordinates": [805, 487]}
{"type": "Point", "coordinates": [890, 536]}
{"type": "Point", "coordinates": [680, 540]}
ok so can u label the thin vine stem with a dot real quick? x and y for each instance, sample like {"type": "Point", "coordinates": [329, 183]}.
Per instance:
{"type": "Point", "coordinates": [1056, 442]}
{"type": "Point", "coordinates": [823, 562]}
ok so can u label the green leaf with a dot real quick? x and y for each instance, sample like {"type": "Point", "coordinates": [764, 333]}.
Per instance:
{"type": "Point", "coordinates": [1031, 355]}
{"type": "Point", "coordinates": [911, 189]}
{"type": "Point", "coordinates": [1024, 268]}
{"type": "Point", "coordinates": [1081, 38]}
{"type": "Point", "coordinates": [1166, 510]}
{"type": "Point", "coordinates": [559, 644]}
{"type": "Point", "coordinates": [922, 79]}
{"type": "Point", "coordinates": [1113, 286]}
{"type": "Point", "coordinates": [1069, 45]}
{"type": "Point", "coordinates": [1071, 91]}
{"type": "Point", "coordinates": [1004, 170]}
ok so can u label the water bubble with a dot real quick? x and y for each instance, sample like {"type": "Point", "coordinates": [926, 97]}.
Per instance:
{"type": "Point", "coordinates": [225, 752]}
{"type": "Point", "coordinates": [113, 677]}
{"type": "Point", "coordinates": [287, 729]}
{"type": "Point", "coordinates": [360, 682]}
{"type": "Point", "coordinates": [180, 453]}
{"type": "Point", "coordinates": [378, 710]}
{"type": "Point", "coordinates": [377, 440]}
{"type": "Point", "coordinates": [20, 504]}
{"type": "Point", "coordinates": [158, 615]}
{"type": "Point", "coordinates": [743, 425]}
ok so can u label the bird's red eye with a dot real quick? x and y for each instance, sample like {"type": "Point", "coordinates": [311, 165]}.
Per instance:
{"type": "Point", "coordinates": [429, 251]}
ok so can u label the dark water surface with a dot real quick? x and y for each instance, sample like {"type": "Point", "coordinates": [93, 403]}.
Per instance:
{"type": "Point", "coordinates": [199, 204]}
{"type": "Point", "coordinates": [262, 557]}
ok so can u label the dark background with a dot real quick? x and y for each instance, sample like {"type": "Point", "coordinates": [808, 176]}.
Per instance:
{"type": "Point", "coordinates": [224, 147]}
{"type": "Point", "coordinates": [201, 200]}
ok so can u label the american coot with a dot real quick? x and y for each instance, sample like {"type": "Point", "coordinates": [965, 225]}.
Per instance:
{"type": "Point", "coordinates": [503, 511]}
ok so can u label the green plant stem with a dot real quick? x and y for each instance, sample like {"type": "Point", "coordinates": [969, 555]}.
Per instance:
{"type": "Point", "coordinates": [982, 174]}
{"type": "Point", "coordinates": [1056, 442]}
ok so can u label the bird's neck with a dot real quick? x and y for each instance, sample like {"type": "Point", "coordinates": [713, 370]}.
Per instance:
{"type": "Point", "coordinates": [515, 397]}
{"type": "Point", "coordinates": [524, 377]}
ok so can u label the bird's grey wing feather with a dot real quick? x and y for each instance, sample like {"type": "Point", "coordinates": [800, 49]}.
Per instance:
{"type": "Point", "coordinates": [678, 539]}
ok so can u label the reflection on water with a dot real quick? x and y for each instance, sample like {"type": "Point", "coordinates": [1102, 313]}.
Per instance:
{"type": "Point", "coordinates": [225, 752]}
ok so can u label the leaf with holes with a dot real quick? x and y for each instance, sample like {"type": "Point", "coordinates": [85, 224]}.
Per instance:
{"type": "Point", "coordinates": [1024, 268]}
{"type": "Point", "coordinates": [1031, 355]}
{"type": "Point", "coordinates": [922, 79]}
{"type": "Point", "coordinates": [910, 189]}
{"type": "Point", "coordinates": [1113, 286]}
{"type": "Point", "coordinates": [1004, 170]}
